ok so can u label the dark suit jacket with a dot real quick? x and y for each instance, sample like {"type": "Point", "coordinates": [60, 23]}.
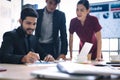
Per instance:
{"type": "Point", "coordinates": [14, 47]}
{"type": "Point", "coordinates": [59, 26]}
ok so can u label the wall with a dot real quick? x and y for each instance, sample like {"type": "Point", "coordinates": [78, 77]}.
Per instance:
{"type": "Point", "coordinates": [5, 17]}
{"type": "Point", "coordinates": [9, 15]}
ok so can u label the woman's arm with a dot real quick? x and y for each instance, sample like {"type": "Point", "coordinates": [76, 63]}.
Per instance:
{"type": "Point", "coordinates": [71, 44]}
{"type": "Point", "coordinates": [99, 43]}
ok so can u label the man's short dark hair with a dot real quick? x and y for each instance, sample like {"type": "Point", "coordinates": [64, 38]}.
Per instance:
{"type": "Point", "coordinates": [28, 12]}
{"type": "Point", "coordinates": [57, 1]}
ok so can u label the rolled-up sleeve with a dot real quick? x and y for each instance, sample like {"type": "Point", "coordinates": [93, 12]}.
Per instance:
{"type": "Point", "coordinates": [97, 26]}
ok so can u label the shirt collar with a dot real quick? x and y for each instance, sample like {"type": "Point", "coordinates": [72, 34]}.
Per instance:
{"type": "Point", "coordinates": [46, 12]}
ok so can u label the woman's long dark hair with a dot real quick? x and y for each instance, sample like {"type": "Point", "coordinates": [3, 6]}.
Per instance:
{"type": "Point", "coordinates": [85, 3]}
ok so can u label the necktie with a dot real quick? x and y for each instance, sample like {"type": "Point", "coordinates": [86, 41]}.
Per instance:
{"type": "Point", "coordinates": [27, 43]}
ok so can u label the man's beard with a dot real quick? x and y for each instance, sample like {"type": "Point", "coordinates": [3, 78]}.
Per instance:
{"type": "Point", "coordinates": [29, 31]}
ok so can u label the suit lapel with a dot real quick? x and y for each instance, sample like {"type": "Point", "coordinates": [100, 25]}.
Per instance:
{"type": "Point", "coordinates": [55, 23]}
{"type": "Point", "coordinates": [39, 22]}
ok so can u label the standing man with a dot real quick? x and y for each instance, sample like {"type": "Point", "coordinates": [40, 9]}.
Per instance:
{"type": "Point", "coordinates": [50, 23]}
{"type": "Point", "coordinates": [19, 45]}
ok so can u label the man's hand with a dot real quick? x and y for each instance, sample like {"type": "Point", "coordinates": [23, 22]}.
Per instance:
{"type": "Point", "coordinates": [62, 56]}
{"type": "Point", "coordinates": [31, 57]}
{"type": "Point", "coordinates": [49, 58]}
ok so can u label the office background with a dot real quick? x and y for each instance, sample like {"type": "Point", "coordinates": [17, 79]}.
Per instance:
{"type": "Point", "coordinates": [10, 13]}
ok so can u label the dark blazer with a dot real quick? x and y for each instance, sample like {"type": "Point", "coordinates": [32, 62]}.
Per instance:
{"type": "Point", "coordinates": [14, 46]}
{"type": "Point", "coordinates": [59, 26]}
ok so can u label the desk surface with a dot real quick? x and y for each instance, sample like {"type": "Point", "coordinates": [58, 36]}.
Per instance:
{"type": "Point", "coordinates": [23, 72]}
{"type": "Point", "coordinates": [17, 71]}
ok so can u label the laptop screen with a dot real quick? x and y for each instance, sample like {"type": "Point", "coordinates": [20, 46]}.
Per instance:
{"type": "Point", "coordinates": [82, 56]}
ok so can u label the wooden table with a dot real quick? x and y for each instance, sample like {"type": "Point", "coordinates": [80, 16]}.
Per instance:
{"type": "Point", "coordinates": [23, 72]}
{"type": "Point", "coordinates": [17, 71]}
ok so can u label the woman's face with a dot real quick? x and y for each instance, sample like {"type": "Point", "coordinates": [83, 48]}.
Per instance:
{"type": "Point", "coordinates": [81, 12]}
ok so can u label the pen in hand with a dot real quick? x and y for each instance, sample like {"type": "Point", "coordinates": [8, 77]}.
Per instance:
{"type": "Point", "coordinates": [32, 50]}
{"type": "Point", "coordinates": [38, 54]}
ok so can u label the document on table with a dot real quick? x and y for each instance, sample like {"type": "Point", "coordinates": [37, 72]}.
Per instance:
{"type": "Point", "coordinates": [44, 63]}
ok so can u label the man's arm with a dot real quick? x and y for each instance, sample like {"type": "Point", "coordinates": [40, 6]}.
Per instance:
{"type": "Point", "coordinates": [7, 48]}
{"type": "Point", "coordinates": [63, 37]}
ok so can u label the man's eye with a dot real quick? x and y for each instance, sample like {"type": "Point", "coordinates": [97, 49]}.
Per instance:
{"type": "Point", "coordinates": [34, 24]}
{"type": "Point", "coordinates": [82, 10]}
{"type": "Point", "coordinates": [28, 23]}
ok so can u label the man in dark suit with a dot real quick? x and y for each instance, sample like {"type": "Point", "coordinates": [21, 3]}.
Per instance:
{"type": "Point", "coordinates": [50, 24]}
{"type": "Point", "coordinates": [19, 45]}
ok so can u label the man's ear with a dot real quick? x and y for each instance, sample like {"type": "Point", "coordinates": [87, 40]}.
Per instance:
{"type": "Point", "coordinates": [20, 21]}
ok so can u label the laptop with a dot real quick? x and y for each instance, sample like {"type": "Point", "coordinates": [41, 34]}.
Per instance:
{"type": "Point", "coordinates": [91, 69]}
{"type": "Point", "coordinates": [53, 73]}
{"type": "Point", "coordinates": [83, 55]}
{"type": "Point", "coordinates": [75, 71]}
